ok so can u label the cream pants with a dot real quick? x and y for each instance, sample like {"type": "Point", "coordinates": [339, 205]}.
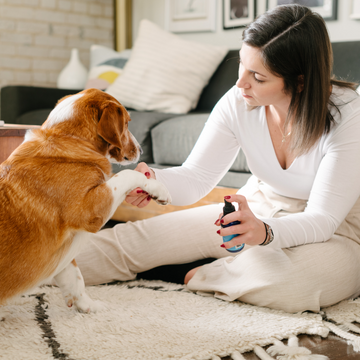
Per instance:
{"type": "Point", "coordinates": [294, 279]}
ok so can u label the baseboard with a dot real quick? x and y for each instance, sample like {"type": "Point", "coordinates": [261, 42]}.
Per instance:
{"type": "Point", "coordinates": [126, 212]}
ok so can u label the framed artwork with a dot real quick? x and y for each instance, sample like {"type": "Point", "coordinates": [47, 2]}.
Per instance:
{"type": "Point", "coordinates": [355, 9]}
{"type": "Point", "coordinates": [190, 15]}
{"type": "Point", "coordinates": [238, 13]}
{"type": "Point", "coordinates": [326, 8]}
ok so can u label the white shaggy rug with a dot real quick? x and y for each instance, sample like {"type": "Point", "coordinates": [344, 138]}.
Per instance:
{"type": "Point", "coordinates": [151, 320]}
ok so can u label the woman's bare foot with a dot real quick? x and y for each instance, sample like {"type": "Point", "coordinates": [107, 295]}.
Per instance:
{"type": "Point", "coordinates": [190, 274]}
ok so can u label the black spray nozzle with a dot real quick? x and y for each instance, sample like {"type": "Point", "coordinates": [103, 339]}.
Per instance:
{"type": "Point", "coordinates": [228, 208]}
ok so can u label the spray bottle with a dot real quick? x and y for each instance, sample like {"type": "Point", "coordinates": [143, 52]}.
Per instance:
{"type": "Point", "coordinates": [227, 209]}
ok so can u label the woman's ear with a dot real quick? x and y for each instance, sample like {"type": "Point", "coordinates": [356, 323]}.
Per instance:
{"type": "Point", "coordinates": [300, 86]}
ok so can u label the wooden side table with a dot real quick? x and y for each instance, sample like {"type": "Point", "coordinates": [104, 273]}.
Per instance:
{"type": "Point", "coordinates": [11, 136]}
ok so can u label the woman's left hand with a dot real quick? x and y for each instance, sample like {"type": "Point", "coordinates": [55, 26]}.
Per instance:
{"type": "Point", "coordinates": [139, 197]}
{"type": "Point", "coordinates": [251, 230]}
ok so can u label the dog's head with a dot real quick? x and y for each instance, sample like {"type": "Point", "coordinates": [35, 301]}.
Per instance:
{"type": "Point", "coordinates": [98, 117]}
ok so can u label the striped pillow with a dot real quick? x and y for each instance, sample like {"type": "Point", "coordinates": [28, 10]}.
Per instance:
{"type": "Point", "coordinates": [165, 73]}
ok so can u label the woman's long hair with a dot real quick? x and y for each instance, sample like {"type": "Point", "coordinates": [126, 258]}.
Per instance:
{"type": "Point", "coordinates": [295, 45]}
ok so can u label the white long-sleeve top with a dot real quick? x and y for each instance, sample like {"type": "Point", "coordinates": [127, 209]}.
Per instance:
{"type": "Point", "coordinates": [328, 176]}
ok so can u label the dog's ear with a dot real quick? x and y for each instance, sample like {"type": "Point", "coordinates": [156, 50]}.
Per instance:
{"type": "Point", "coordinates": [112, 124]}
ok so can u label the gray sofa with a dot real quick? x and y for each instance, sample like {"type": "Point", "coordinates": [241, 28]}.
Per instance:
{"type": "Point", "coordinates": [167, 139]}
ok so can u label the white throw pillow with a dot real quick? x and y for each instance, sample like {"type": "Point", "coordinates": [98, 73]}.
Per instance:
{"type": "Point", "coordinates": [165, 73]}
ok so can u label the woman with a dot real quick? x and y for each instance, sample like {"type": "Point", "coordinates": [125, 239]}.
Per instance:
{"type": "Point", "coordinates": [299, 213]}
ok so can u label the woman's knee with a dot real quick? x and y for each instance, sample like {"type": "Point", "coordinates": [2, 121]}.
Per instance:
{"type": "Point", "coordinates": [292, 280]}
{"type": "Point", "coordinates": [307, 277]}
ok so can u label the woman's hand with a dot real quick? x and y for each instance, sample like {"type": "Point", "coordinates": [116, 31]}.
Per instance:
{"type": "Point", "coordinates": [251, 230]}
{"type": "Point", "coordinates": [139, 197]}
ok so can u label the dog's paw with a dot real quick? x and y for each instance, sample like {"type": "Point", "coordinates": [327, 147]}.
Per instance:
{"type": "Point", "coordinates": [87, 305]}
{"type": "Point", "coordinates": [158, 192]}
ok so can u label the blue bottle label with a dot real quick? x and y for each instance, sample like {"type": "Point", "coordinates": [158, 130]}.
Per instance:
{"type": "Point", "coordinates": [227, 238]}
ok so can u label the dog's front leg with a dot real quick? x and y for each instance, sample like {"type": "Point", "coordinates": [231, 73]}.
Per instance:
{"type": "Point", "coordinates": [72, 286]}
{"type": "Point", "coordinates": [126, 180]}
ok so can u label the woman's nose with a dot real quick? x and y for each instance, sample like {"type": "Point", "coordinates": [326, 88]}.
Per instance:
{"type": "Point", "coordinates": [242, 83]}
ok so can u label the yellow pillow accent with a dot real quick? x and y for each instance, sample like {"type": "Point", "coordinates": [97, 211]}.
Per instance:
{"type": "Point", "coordinates": [108, 76]}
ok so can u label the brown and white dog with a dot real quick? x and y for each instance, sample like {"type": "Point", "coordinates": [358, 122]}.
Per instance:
{"type": "Point", "coordinates": [57, 186]}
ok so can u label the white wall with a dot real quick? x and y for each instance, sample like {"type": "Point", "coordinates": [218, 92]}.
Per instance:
{"type": "Point", "coordinates": [342, 29]}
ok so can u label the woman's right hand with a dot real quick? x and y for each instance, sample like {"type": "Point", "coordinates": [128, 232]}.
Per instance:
{"type": "Point", "coordinates": [139, 197]}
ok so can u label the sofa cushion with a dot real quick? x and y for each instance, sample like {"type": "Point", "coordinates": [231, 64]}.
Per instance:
{"type": "Point", "coordinates": [165, 72]}
{"type": "Point", "coordinates": [173, 140]}
{"type": "Point", "coordinates": [140, 126]}
{"type": "Point", "coordinates": [234, 179]}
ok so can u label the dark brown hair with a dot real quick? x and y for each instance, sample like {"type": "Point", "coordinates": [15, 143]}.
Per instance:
{"type": "Point", "coordinates": [295, 46]}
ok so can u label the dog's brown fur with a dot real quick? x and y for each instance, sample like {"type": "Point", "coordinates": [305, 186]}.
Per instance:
{"type": "Point", "coordinates": [54, 184]}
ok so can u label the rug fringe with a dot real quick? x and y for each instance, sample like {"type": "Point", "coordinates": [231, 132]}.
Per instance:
{"type": "Point", "coordinates": [237, 356]}
{"type": "Point", "coordinates": [262, 354]}
{"type": "Point", "coordinates": [339, 331]}
{"type": "Point", "coordinates": [293, 351]}
{"type": "Point", "coordinates": [347, 326]}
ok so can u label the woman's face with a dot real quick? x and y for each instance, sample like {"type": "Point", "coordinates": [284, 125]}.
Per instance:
{"type": "Point", "coordinates": [259, 87]}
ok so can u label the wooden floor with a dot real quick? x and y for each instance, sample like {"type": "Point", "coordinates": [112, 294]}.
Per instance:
{"type": "Point", "coordinates": [333, 347]}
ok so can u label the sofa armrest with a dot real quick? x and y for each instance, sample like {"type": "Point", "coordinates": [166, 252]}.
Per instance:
{"type": "Point", "coordinates": [17, 100]}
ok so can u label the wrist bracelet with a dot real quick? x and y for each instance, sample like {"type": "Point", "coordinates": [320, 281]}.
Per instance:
{"type": "Point", "coordinates": [266, 235]}
{"type": "Point", "coordinates": [269, 235]}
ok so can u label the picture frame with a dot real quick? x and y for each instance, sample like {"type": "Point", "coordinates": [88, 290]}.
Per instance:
{"type": "Point", "coordinates": [238, 13]}
{"type": "Point", "coordinates": [183, 16]}
{"type": "Point", "coordinates": [328, 9]}
{"type": "Point", "coordinates": [355, 10]}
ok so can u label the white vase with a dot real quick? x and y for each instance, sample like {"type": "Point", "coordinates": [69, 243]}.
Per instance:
{"type": "Point", "coordinates": [74, 75]}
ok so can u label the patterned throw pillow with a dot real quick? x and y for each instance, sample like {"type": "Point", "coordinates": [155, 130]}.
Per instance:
{"type": "Point", "coordinates": [105, 66]}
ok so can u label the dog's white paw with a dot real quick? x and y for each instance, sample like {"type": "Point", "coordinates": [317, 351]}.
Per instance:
{"type": "Point", "coordinates": [157, 191]}
{"type": "Point", "coordinates": [90, 306]}
{"type": "Point", "coordinates": [85, 304]}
